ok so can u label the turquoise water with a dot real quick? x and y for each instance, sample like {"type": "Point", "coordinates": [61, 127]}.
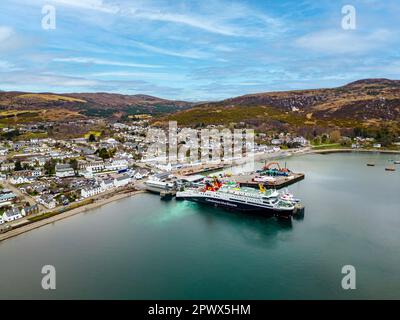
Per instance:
{"type": "Point", "coordinates": [144, 248]}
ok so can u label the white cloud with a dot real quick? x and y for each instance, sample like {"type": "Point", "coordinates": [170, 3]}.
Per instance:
{"type": "Point", "coordinates": [344, 41]}
{"type": "Point", "coordinates": [192, 21]}
{"type": "Point", "coordinates": [97, 5]}
{"type": "Point", "coordinates": [7, 66]}
{"type": "Point", "coordinates": [5, 34]}
{"type": "Point", "coordinates": [140, 75]}
{"type": "Point", "coordinates": [193, 54]}
{"type": "Point", "coordinates": [219, 17]}
{"type": "Point", "coordinates": [86, 60]}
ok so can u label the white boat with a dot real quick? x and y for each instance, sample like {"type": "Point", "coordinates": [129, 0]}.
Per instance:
{"type": "Point", "coordinates": [158, 186]}
{"type": "Point", "coordinates": [264, 179]}
{"type": "Point", "coordinates": [243, 199]}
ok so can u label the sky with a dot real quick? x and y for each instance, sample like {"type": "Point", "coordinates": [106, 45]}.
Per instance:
{"type": "Point", "coordinates": [195, 50]}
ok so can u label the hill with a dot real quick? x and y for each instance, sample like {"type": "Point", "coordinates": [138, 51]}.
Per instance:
{"type": "Point", "coordinates": [24, 104]}
{"type": "Point", "coordinates": [365, 103]}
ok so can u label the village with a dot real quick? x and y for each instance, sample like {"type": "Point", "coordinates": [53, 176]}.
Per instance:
{"type": "Point", "coordinates": [47, 175]}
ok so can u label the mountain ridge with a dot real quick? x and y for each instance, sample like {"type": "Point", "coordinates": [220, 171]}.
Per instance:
{"type": "Point", "coordinates": [363, 102]}
{"type": "Point", "coordinates": [366, 103]}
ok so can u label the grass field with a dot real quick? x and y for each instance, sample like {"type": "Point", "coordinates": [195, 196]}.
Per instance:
{"type": "Point", "coordinates": [9, 117]}
{"type": "Point", "coordinates": [95, 133]}
{"type": "Point", "coordinates": [48, 97]}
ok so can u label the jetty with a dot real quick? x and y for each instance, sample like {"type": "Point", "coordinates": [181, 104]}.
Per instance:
{"type": "Point", "coordinates": [271, 176]}
{"type": "Point", "coordinates": [167, 195]}
{"type": "Point", "coordinates": [277, 183]}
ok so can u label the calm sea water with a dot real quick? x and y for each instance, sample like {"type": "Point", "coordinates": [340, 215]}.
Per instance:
{"type": "Point", "coordinates": [144, 248]}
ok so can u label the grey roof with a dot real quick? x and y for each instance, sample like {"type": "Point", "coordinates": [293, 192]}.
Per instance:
{"type": "Point", "coordinates": [63, 167]}
{"type": "Point", "coordinates": [122, 177]}
{"type": "Point", "coordinates": [12, 212]}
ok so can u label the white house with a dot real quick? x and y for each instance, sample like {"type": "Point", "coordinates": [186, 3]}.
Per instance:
{"type": "Point", "coordinates": [301, 140]}
{"type": "Point", "coordinates": [276, 142]}
{"type": "Point", "coordinates": [87, 174]}
{"type": "Point", "coordinates": [48, 201]}
{"type": "Point", "coordinates": [21, 179]}
{"type": "Point", "coordinates": [7, 166]}
{"type": "Point", "coordinates": [90, 191]}
{"type": "Point", "coordinates": [64, 170]}
{"type": "Point", "coordinates": [93, 166]}
{"type": "Point", "coordinates": [36, 173]}
{"type": "Point", "coordinates": [117, 164]}
{"type": "Point", "coordinates": [107, 184]}
{"type": "Point", "coordinates": [12, 214]}
{"type": "Point", "coordinates": [5, 197]}
{"type": "Point", "coordinates": [122, 181]}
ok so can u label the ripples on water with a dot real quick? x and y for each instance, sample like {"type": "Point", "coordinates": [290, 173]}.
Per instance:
{"type": "Point", "coordinates": [143, 247]}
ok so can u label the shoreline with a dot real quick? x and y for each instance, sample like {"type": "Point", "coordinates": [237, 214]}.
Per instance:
{"type": "Point", "coordinates": [118, 196]}
{"type": "Point", "coordinates": [345, 150]}
{"type": "Point", "coordinates": [35, 225]}
{"type": "Point", "coordinates": [288, 153]}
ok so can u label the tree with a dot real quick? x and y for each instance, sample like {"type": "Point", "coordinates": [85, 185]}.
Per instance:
{"type": "Point", "coordinates": [103, 153]}
{"type": "Point", "coordinates": [317, 140]}
{"type": "Point", "coordinates": [92, 138]}
{"type": "Point", "coordinates": [335, 136]}
{"type": "Point", "coordinates": [18, 166]}
{"type": "Point", "coordinates": [74, 164]}
{"type": "Point", "coordinates": [50, 166]}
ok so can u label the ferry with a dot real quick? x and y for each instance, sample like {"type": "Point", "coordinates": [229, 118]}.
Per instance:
{"type": "Point", "coordinates": [158, 186]}
{"type": "Point", "coordinates": [244, 199]}
{"type": "Point", "coordinates": [160, 183]}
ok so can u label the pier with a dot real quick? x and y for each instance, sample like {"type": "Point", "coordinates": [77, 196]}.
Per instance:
{"type": "Point", "coordinates": [279, 183]}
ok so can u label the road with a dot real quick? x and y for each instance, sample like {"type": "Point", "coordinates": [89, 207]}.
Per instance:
{"type": "Point", "coordinates": [26, 197]}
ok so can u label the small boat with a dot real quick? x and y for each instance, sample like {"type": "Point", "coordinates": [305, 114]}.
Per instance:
{"type": "Point", "coordinates": [390, 168]}
{"type": "Point", "coordinates": [396, 162]}
{"type": "Point", "coordinates": [370, 164]}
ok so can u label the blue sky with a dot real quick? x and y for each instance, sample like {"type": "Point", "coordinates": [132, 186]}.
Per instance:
{"type": "Point", "coordinates": [195, 50]}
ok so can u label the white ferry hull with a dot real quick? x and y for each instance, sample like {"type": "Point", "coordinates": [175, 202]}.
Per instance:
{"type": "Point", "coordinates": [237, 206]}
{"type": "Point", "coordinates": [157, 188]}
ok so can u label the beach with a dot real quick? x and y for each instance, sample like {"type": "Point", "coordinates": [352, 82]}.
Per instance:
{"type": "Point", "coordinates": [67, 214]}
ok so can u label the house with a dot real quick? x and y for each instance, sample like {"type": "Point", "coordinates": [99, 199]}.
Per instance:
{"type": "Point", "coordinates": [28, 210]}
{"type": "Point", "coordinates": [93, 166]}
{"type": "Point", "coordinates": [91, 190]}
{"type": "Point", "coordinates": [122, 180]}
{"type": "Point", "coordinates": [64, 170]}
{"type": "Point", "coordinates": [107, 184]}
{"type": "Point", "coordinates": [47, 200]}
{"type": "Point", "coordinates": [20, 179]}
{"type": "Point", "coordinates": [4, 197]}
{"type": "Point", "coordinates": [116, 164]}
{"type": "Point", "coordinates": [301, 140]}
{"type": "Point", "coordinates": [87, 151]}
{"type": "Point", "coordinates": [3, 151]}
{"type": "Point", "coordinates": [276, 142]}
{"type": "Point", "coordinates": [41, 161]}
{"type": "Point", "coordinates": [12, 214]}
{"type": "Point", "coordinates": [36, 173]}
{"type": "Point", "coordinates": [7, 166]}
